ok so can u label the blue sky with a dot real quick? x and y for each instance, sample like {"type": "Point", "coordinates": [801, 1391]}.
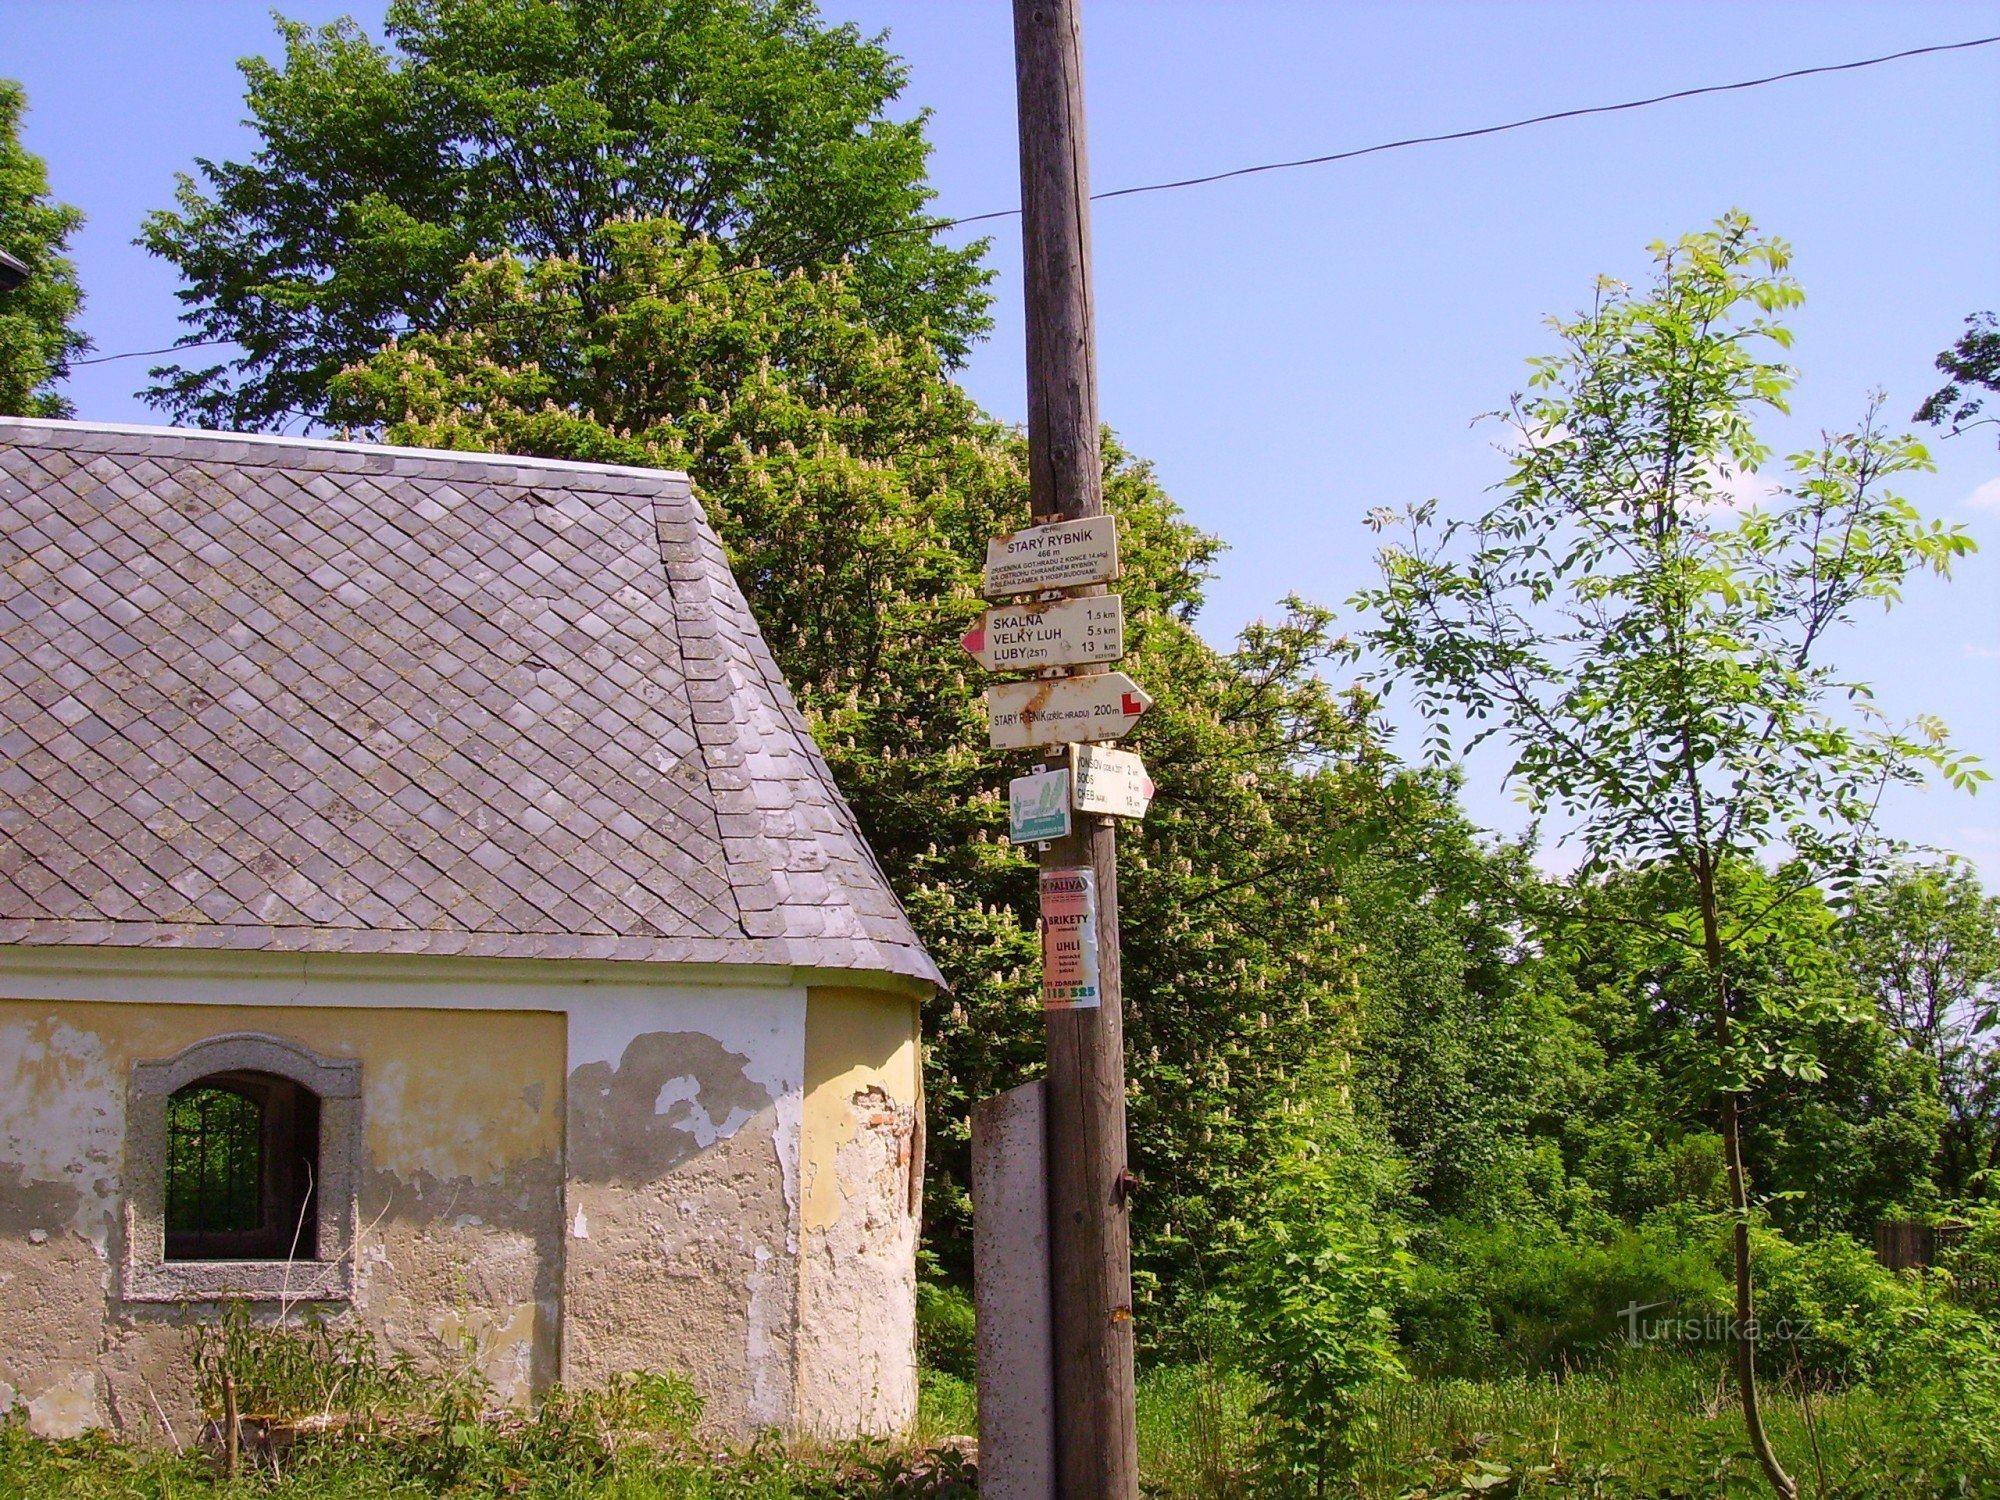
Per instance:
{"type": "Point", "coordinates": [1295, 349]}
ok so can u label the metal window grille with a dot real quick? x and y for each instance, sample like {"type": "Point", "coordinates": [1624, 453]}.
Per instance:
{"type": "Point", "coordinates": [215, 1162]}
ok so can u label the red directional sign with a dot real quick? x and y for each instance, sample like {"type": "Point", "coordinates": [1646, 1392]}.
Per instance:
{"type": "Point", "coordinates": [1064, 633]}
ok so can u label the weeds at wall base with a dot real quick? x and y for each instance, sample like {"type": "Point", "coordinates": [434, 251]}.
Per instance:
{"type": "Point", "coordinates": [521, 1457]}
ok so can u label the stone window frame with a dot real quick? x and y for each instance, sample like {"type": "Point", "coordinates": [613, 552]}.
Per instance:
{"type": "Point", "coordinates": [327, 1275]}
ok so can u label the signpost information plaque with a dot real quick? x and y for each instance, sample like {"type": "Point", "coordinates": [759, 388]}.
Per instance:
{"type": "Point", "coordinates": [1111, 782]}
{"type": "Point", "coordinates": [1038, 807]}
{"type": "Point", "coordinates": [1060, 555]}
{"type": "Point", "coordinates": [1063, 710]}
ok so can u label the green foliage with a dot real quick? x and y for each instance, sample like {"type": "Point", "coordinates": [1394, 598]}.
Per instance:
{"type": "Point", "coordinates": [568, 1450]}
{"type": "Point", "coordinates": [326, 1413]}
{"type": "Point", "coordinates": [524, 127]}
{"type": "Point", "coordinates": [1319, 1269]}
{"type": "Point", "coordinates": [1847, 1121]}
{"type": "Point", "coordinates": [946, 1329]}
{"type": "Point", "coordinates": [38, 337]}
{"type": "Point", "coordinates": [1924, 944]}
{"type": "Point", "coordinates": [1653, 1429]}
{"type": "Point", "coordinates": [1650, 648]}
{"type": "Point", "coordinates": [1650, 1427]}
{"type": "Point", "coordinates": [1946, 1368]}
{"type": "Point", "coordinates": [1971, 1260]}
{"type": "Point", "coordinates": [1535, 1299]}
{"type": "Point", "coordinates": [1828, 1312]}
{"type": "Point", "coordinates": [947, 1406]}
{"type": "Point", "coordinates": [1471, 1064]}
{"type": "Point", "coordinates": [1973, 361]}
{"type": "Point", "coordinates": [308, 1368]}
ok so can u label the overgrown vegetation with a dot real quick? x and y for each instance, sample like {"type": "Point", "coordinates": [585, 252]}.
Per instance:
{"type": "Point", "coordinates": [315, 1410]}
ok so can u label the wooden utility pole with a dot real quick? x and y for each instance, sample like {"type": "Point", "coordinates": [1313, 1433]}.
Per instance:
{"type": "Point", "coordinates": [1097, 1447]}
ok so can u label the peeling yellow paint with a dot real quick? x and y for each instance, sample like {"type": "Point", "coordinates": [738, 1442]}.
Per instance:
{"type": "Point", "coordinates": [460, 1185]}
{"type": "Point", "coordinates": [856, 1040]}
{"type": "Point", "coordinates": [860, 1174]}
{"type": "Point", "coordinates": [499, 1344]}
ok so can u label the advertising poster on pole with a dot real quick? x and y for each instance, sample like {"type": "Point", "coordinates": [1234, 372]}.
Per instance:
{"type": "Point", "coordinates": [1069, 940]}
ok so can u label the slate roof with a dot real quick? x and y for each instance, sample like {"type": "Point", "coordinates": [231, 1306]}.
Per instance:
{"type": "Point", "coordinates": [273, 693]}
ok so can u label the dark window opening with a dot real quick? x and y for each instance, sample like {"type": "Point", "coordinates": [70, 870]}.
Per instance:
{"type": "Point", "coordinates": [242, 1162]}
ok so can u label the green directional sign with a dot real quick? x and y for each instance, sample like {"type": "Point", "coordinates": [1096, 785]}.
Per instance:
{"type": "Point", "coordinates": [1038, 807]}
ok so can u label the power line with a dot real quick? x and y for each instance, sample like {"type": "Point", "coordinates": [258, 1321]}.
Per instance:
{"type": "Point", "coordinates": [1564, 114]}
{"type": "Point", "coordinates": [105, 359]}
{"type": "Point", "coordinates": [1304, 161]}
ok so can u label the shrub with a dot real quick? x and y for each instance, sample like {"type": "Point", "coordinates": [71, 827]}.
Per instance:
{"type": "Point", "coordinates": [1536, 1299]}
{"type": "Point", "coordinates": [309, 1368]}
{"type": "Point", "coordinates": [947, 1331]}
{"type": "Point", "coordinates": [1972, 1262]}
{"type": "Point", "coordinates": [1320, 1268]}
{"type": "Point", "coordinates": [1827, 1309]}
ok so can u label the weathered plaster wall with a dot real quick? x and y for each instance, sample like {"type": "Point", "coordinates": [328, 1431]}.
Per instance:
{"type": "Point", "coordinates": [683, 1194]}
{"type": "Point", "coordinates": [861, 1180]}
{"type": "Point", "coordinates": [693, 1195]}
{"type": "Point", "coordinates": [460, 1197]}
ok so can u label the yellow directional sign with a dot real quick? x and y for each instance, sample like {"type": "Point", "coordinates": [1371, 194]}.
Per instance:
{"type": "Point", "coordinates": [1063, 710]}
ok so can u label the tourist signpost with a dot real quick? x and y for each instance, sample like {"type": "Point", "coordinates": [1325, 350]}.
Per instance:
{"type": "Point", "coordinates": [1053, 617]}
{"type": "Point", "coordinates": [1060, 633]}
{"type": "Point", "coordinates": [1107, 781]}
{"type": "Point", "coordinates": [1038, 807]}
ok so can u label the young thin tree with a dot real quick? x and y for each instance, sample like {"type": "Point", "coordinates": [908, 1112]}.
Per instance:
{"type": "Point", "coordinates": [1650, 643]}
{"type": "Point", "coordinates": [38, 338]}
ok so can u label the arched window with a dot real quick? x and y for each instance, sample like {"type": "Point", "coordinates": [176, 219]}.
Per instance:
{"type": "Point", "coordinates": [242, 1165]}
{"type": "Point", "coordinates": [243, 1154]}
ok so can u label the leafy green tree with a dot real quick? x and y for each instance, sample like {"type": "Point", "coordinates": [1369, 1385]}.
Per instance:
{"type": "Point", "coordinates": [1471, 1065]}
{"type": "Point", "coordinates": [38, 337]}
{"type": "Point", "coordinates": [1843, 1135]}
{"type": "Point", "coordinates": [1973, 361]}
{"type": "Point", "coordinates": [525, 126]}
{"type": "Point", "coordinates": [1924, 942]}
{"type": "Point", "coordinates": [854, 487]}
{"type": "Point", "coordinates": [1651, 649]}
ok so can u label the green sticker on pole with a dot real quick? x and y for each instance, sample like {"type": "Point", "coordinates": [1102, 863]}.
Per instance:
{"type": "Point", "coordinates": [1038, 807]}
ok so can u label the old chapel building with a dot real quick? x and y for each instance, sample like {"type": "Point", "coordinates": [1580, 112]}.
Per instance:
{"type": "Point", "coordinates": [420, 898]}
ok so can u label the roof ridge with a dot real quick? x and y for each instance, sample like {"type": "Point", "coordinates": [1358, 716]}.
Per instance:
{"type": "Point", "coordinates": [163, 440]}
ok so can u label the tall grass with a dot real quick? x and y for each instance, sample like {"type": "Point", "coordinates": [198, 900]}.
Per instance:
{"type": "Point", "coordinates": [1651, 1427]}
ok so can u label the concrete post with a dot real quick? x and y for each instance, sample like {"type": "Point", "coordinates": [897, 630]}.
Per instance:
{"type": "Point", "coordinates": [1010, 1275]}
